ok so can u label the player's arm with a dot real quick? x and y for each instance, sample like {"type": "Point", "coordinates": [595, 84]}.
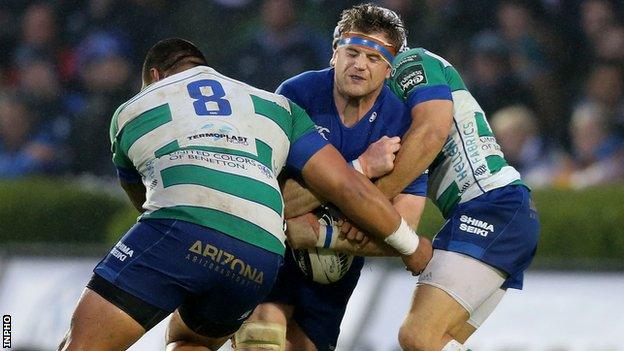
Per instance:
{"type": "Point", "coordinates": [431, 124]}
{"type": "Point", "coordinates": [308, 231]}
{"type": "Point", "coordinates": [129, 178]}
{"type": "Point", "coordinates": [410, 207]}
{"type": "Point", "coordinates": [327, 173]}
{"type": "Point", "coordinates": [377, 160]}
{"type": "Point", "coordinates": [420, 80]}
{"type": "Point", "coordinates": [298, 199]}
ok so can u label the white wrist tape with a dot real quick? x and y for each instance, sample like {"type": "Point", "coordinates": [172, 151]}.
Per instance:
{"type": "Point", "coordinates": [404, 239]}
{"type": "Point", "coordinates": [327, 236]}
{"type": "Point", "coordinates": [357, 166]}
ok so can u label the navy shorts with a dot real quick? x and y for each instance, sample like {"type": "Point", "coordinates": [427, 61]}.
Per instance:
{"type": "Point", "coordinates": [215, 280]}
{"type": "Point", "coordinates": [318, 308]}
{"type": "Point", "coordinates": [500, 228]}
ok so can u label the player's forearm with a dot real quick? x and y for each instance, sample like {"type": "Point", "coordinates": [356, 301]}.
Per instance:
{"type": "Point", "coordinates": [327, 173]}
{"type": "Point", "coordinates": [360, 191]}
{"type": "Point", "coordinates": [410, 207]}
{"type": "Point", "coordinates": [373, 248]}
{"type": "Point", "coordinates": [298, 200]}
{"type": "Point", "coordinates": [421, 144]}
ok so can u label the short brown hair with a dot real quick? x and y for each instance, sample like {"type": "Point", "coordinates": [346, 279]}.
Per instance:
{"type": "Point", "coordinates": [369, 18]}
{"type": "Point", "coordinates": [167, 53]}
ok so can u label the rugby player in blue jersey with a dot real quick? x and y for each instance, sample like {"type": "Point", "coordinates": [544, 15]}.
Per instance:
{"type": "Point", "coordinates": [358, 114]}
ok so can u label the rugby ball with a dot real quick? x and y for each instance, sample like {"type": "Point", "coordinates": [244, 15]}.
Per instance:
{"type": "Point", "coordinates": [323, 265]}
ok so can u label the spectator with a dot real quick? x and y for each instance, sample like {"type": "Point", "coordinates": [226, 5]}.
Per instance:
{"type": "Point", "coordinates": [597, 152]}
{"type": "Point", "coordinates": [25, 148]}
{"type": "Point", "coordinates": [39, 35]}
{"type": "Point", "coordinates": [105, 82]}
{"type": "Point", "coordinates": [596, 17]}
{"type": "Point", "coordinates": [39, 80]}
{"type": "Point", "coordinates": [491, 79]}
{"type": "Point", "coordinates": [530, 59]}
{"type": "Point", "coordinates": [281, 48]}
{"type": "Point", "coordinates": [610, 46]}
{"type": "Point", "coordinates": [524, 146]}
{"type": "Point", "coordinates": [604, 87]}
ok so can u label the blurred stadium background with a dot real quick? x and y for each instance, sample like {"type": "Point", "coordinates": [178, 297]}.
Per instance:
{"type": "Point", "coordinates": [549, 74]}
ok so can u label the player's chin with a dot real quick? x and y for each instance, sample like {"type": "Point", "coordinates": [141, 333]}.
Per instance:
{"type": "Point", "coordinates": [356, 91]}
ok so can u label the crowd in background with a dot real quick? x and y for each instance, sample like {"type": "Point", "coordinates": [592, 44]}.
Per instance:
{"type": "Point", "coordinates": [549, 74]}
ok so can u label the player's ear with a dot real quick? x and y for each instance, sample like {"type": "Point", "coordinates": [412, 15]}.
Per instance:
{"type": "Point", "coordinates": [155, 75]}
{"type": "Point", "coordinates": [332, 61]}
{"type": "Point", "coordinates": [388, 72]}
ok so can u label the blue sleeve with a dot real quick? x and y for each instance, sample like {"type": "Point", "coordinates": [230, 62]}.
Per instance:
{"type": "Point", "coordinates": [436, 92]}
{"type": "Point", "coordinates": [418, 187]}
{"type": "Point", "coordinates": [128, 175]}
{"type": "Point", "coordinates": [304, 148]}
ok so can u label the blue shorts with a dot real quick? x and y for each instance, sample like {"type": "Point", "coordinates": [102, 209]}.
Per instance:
{"type": "Point", "coordinates": [500, 228]}
{"type": "Point", "coordinates": [318, 308]}
{"type": "Point", "coordinates": [173, 264]}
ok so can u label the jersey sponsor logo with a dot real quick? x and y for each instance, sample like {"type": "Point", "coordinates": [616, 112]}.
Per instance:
{"type": "Point", "coordinates": [221, 159]}
{"type": "Point", "coordinates": [220, 132]}
{"type": "Point", "coordinates": [322, 130]}
{"type": "Point", "coordinates": [475, 226]}
{"type": "Point", "coordinates": [470, 140]}
{"type": "Point", "coordinates": [405, 60]}
{"type": "Point", "coordinates": [223, 262]}
{"type": "Point", "coordinates": [121, 251]}
{"type": "Point", "coordinates": [412, 77]}
{"type": "Point", "coordinates": [451, 150]}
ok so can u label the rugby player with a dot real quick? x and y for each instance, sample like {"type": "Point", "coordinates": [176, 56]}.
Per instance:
{"type": "Point", "coordinates": [198, 154]}
{"type": "Point", "coordinates": [353, 109]}
{"type": "Point", "coordinates": [492, 227]}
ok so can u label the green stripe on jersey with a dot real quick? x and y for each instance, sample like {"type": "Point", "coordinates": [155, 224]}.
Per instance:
{"type": "Point", "coordinates": [143, 124]}
{"type": "Point", "coordinates": [167, 149]}
{"type": "Point", "coordinates": [495, 163]}
{"type": "Point", "coordinates": [274, 112]}
{"type": "Point", "coordinates": [223, 222]}
{"type": "Point", "coordinates": [482, 126]}
{"type": "Point", "coordinates": [265, 153]}
{"type": "Point", "coordinates": [239, 186]}
{"type": "Point", "coordinates": [449, 198]}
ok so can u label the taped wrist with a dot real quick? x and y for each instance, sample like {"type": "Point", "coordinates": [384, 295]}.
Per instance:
{"type": "Point", "coordinates": [404, 239]}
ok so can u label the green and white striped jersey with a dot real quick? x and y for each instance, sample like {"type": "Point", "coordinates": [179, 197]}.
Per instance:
{"type": "Point", "coordinates": [208, 149]}
{"type": "Point", "coordinates": [471, 161]}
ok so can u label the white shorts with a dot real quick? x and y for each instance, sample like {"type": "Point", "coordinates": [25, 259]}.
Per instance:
{"type": "Point", "coordinates": [473, 284]}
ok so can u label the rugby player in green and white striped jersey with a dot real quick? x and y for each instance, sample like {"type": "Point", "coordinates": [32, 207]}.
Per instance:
{"type": "Point", "coordinates": [492, 228]}
{"type": "Point", "coordinates": [199, 154]}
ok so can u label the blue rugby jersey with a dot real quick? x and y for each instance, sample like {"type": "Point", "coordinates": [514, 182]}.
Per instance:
{"type": "Point", "coordinates": [313, 91]}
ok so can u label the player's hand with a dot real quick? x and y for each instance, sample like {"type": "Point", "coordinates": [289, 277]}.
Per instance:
{"type": "Point", "coordinates": [353, 233]}
{"type": "Point", "coordinates": [302, 232]}
{"type": "Point", "coordinates": [378, 159]}
{"type": "Point", "coordinates": [417, 261]}
{"type": "Point", "coordinates": [407, 73]}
